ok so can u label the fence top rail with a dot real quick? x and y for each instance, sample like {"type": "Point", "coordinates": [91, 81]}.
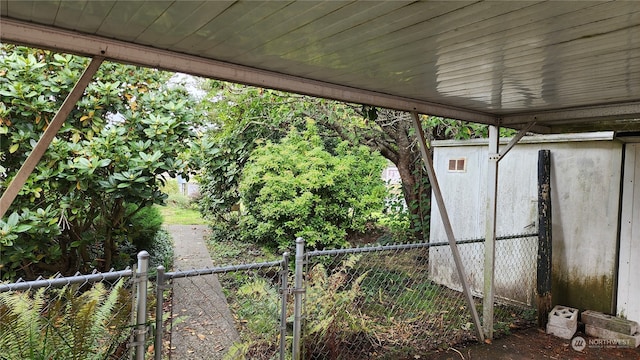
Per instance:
{"type": "Point", "coordinates": [396, 247]}
{"type": "Point", "coordinates": [66, 280]}
{"type": "Point", "coordinates": [221, 269]}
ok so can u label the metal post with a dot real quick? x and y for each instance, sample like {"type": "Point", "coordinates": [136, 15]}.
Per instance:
{"type": "Point", "coordinates": [435, 187]}
{"type": "Point", "coordinates": [490, 233]}
{"type": "Point", "coordinates": [159, 302]}
{"type": "Point", "coordinates": [141, 308]}
{"type": "Point", "coordinates": [297, 293]}
{"type": "Point", "coordinates": [41, 146]}
{"type": "Point", "coordinates": [284, 278]}
{"type": "Point", "coordinates": [544, 237]}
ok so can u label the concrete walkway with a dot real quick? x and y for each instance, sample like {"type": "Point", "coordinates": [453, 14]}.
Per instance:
{"type": "Point", "coordinates": [203, 327]}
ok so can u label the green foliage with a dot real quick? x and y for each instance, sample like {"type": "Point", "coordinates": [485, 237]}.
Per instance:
{"type": "Point", "coordinates": [180, 201]}
{"type": "Point", "coordinates": [106, 162]}
{"type": "Point", "coordinates": [161, 251]}
{"type": "Point", "coordinates": [170, 187]}
{"type": "Point", "coordinates": [449, 129]}
{"type": "Point", "coordinates": [296, 188]}
{"type": "Point", "coordinates": [243, 117]}
{"type": "Point", "coordinates": [58, 324]}
{"type": "Point", "coordinates": [143, 226]}
{"type": "Point", "coordinates": [258, 302]}
{"type": "Point", "coordinates": [331, 298]}
{"type": "Point", "coordinates": [396, 219]}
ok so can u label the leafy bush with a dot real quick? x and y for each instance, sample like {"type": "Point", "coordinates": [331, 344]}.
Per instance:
{"type": "Point", "coordinates": [161, 251]}
{"type": "Point", "coordinates": [143, 227]}
{"type": "Point", "coordinates": [58, 324]}
{"type": "Point", "coordinates": [296, 188]}
{"type": "Point", "coordinates": [96, 165]}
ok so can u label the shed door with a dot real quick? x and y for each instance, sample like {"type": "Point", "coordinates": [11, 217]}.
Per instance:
{"type": "Point", "coordinates": [629, 268]}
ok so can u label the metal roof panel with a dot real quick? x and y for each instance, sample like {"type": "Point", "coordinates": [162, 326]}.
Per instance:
{"type": "Point", "coordinates": [480, 60]}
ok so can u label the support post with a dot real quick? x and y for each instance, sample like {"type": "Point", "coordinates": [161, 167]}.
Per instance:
{"type": "Point", "coordinates": [284, 280]}
{"type": "Point", "coordinates": [160, 281]}
{"type": "Point", "coordinates": [435, 187]}
{"type": "Point", "coordinates": [141, 303]}
{"type": "Point", "coordinates": [490, 233]}
{"type": "Point", "coordinates": [297, 293]}
{"type": "Point", "coordinates": [544, 237]}
{"type": "Point", "coordinates": [43, 144]}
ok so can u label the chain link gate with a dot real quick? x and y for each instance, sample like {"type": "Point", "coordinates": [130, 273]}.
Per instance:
{"type": "Point", "coordinates": [228, 312]}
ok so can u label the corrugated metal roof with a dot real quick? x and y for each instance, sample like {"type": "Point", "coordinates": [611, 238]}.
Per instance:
{"type": "Point", "coordinates": [567, 65]}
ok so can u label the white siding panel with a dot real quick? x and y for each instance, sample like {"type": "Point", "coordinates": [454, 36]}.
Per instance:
{"type": "Point", "coordinates": [628, 304]}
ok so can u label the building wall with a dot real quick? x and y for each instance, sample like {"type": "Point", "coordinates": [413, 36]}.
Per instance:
{"type": "Point", "coordinates": [585, 191]}
{"type": "Point", "coordinates": [628, 304]}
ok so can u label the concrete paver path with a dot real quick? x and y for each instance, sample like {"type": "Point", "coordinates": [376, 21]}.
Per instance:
{"type": "Point", "coordinates": [203, 327]}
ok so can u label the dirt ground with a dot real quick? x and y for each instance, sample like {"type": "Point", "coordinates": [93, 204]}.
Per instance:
{"type": "Point", "coordinates": [532, 344]}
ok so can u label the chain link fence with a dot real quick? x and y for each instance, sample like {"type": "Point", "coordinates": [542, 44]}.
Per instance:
{"type": "Point", "coordinates": [378, 302]}
{"type": "Point", "coordinates": [77, 318]}
{"type": "Point", "coordinates": [399, 301]}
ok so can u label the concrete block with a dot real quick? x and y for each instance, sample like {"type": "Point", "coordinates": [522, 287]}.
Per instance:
{"type": "Point", "coordinates": [622, 339]}
{"type": "Point", "coordinates": [613, 323]}
{"type": "Point", "coordinates": [561, 331]}
{"type": "Point", "coordinates": [564, 316]}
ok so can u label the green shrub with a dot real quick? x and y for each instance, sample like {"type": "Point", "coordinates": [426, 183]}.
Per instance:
{"type": "Point", "coordinates": [143, 227]}
{"type": "Point", "coordinates": [181, 201]}
{"type": "Point", "coordinates": [161, 251]}
{"type": "Point", "coordinates": [297, 188]}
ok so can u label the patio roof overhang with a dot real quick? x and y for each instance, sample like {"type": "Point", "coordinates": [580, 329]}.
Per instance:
{"type": "Point", "coordinates": [568, 66]}
{"type": "Point", "coordinates": [534, 65]}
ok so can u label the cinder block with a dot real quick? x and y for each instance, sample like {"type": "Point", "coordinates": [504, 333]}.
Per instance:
{"type": "Point", "coordinates": [561, 331]}
{"type": "Point", "coordinates": [613, 323]}
{"type": "Point", "coordinates": [564, 316]}
{"type": "Point", "coordinates": [629, 340]}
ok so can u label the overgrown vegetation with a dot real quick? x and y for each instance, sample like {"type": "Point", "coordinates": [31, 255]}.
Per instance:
{"type": "Point", "coordinates": [374, 305]}
{"type": "Point", "coordinates": [104, 168]}
{"type": "Point", "coordinates": [65, 323]}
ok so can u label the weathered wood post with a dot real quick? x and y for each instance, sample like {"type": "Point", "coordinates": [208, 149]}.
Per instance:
{"type": "Point", "coordinates": [544, 237]}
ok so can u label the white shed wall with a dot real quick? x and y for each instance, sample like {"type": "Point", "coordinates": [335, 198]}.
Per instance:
{"type": "Point", "coordinates": [585, 194]}
{"type": "Point", "coordinates": [628, 304]}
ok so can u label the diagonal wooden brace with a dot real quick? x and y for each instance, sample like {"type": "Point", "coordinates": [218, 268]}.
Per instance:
{"type": "Point", "coordinates": [43, 144]}
{"type": "Point", "coordinates": [447, 225]}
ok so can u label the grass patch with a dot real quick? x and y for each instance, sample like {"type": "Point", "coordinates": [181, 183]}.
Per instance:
{"type": "Point", "coordinates": [174, 215]}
